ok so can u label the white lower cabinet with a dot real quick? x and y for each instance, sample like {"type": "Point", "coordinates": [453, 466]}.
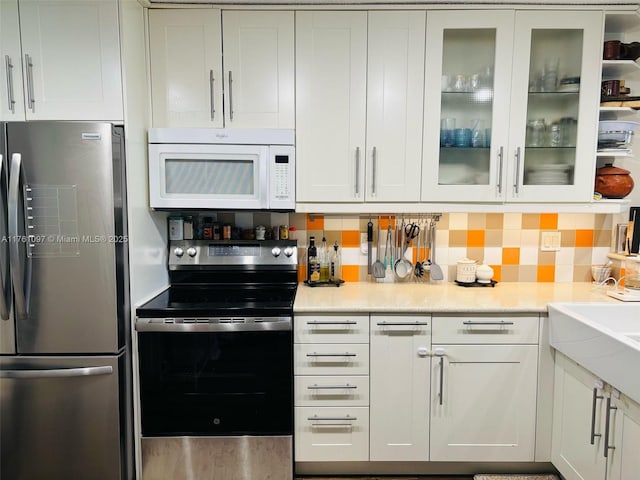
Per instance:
{"type": "Point", "coordinates": [331, 368]}
{"type": "Point", "coordinates": [400, 370]}
{"type": "Point", "coordinates": [596, 430]}
{"type": "Point", "coordinates": [483, 388]}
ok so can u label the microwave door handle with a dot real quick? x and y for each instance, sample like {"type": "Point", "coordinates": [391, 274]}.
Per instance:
{"type": "Point", "coordinates": [4, 288]}
{"type": "Point", "coordinates": [21, 290]}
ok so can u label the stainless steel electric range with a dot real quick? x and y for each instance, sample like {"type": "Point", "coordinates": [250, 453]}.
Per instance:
{"type": "Point", "coordinates": [216, 362]}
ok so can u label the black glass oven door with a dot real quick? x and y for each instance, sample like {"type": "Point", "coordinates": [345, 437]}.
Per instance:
{"type": "Point", "coordinates": [231, 383]}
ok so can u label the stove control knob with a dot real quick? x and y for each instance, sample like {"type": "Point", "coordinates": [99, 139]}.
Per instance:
{"type": "Point", "coordinates": [288, 251]}
{"type": "Point", "coordinates": [191, 251]}
{"type": "Point", "coordinates": [178, 251]}
{"type": "Point", "coordinates": [275, 251]}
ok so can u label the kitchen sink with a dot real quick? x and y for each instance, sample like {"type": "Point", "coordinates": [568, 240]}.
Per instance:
{"type": "Point", "coordinates": [602, 337]}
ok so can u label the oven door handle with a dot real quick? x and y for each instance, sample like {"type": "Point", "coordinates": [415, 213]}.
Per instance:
{"type": "Point", "coordinates": [170, 325]}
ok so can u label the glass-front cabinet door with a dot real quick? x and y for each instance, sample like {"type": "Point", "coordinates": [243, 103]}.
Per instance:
{"type": "Point", "coordinates": [467, 92]}
{"type": "Point", "coordinates": [511, 106]}
{"type": "Point", "coordinates": [554, 106]}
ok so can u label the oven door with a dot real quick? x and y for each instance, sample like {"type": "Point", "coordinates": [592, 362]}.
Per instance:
{"type": "Point", "coordinates": [216, 383]}
{"type": "Point", "coordinates": [208, 176]}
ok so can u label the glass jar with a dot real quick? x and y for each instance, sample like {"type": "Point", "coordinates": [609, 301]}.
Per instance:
{"type": "Point", "coordinates": [536, 133]}
{"type": "Point", "coordinates": [632, 274]}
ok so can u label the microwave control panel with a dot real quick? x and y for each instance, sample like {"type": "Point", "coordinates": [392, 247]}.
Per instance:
{"type": "Point", "coordinates": [282, 174]}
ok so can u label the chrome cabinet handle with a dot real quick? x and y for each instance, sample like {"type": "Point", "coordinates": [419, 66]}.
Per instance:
{"type": "Point", "coordinates": [20, 292]}
{"type": "Point", "coordinates": [401, 324]}
{"type": "Point", "coordinates": [374, 164]}
{"type": "Point", "coordinates": [4, 289]}
{"type": "Point", "coordinates": [212, 95]}
{"type": "Point", "coordinates": [596, 397]}
{"type": "Point", "coordinates": [321, 322]}
{"type": "Point", "coordinates": [441, 393]}
{"type": "Point", "coordinates": [230, 97]}
{"type": "Point", "coordinates": [345, 354]}
{"type": "Point", "coordinates": [500, 323]}
{"type": "Point", "coordinates": [30, 96]}
{"type": "Point", "coordinates": [607, 426]}
{"type": "Point", "coordinates": [343, 421]}
{"type": "Point", "coordinates": [346, 418]}
{"type": "Point", "coordinates": [500, 161]}
{"type": "Point", "coordinates": [10, 100]}
{"type": "Point", "coordinates": [516, 183]}
{"type": "Point", "coordinates": [57, 372]}
{"type": "Point", "coordinates": [357, 182]}
{"type": "Point", "coordinates": [315, 386]}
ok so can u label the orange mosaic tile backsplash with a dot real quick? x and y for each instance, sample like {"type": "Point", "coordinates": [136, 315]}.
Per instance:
{"type": "Point", "coordinates": [510, 243]}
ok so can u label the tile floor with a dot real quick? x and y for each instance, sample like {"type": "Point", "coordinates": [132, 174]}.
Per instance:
{"type": "Point", "coordinates": [430, 477]}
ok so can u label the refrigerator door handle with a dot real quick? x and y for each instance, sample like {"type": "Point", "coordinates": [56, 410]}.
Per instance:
{"type": "Point", "coordinates": [4, 289]}
{"type": "Point", "coordinates": [57, 372]}
{"type": "Point", "coordinates": [20, 291]}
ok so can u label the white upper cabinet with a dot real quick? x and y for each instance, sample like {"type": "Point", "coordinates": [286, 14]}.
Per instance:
{"type": "Point", "coordinates": [12, 103]}
{"type": "Point", "coordinates": [258, 69]}
{"type": "Point", "coordinates": [186, 67]}
{"type": "Point", "coordinates": [359, 87]}
{"type": "Point", "coordinates": [190, 85]}
{"type": "Point", "coordinates": [516, 107]}
{"type": "Point", "coordinates": [68, 67]}
{"type": "Point", "coordinates": [331, 89]}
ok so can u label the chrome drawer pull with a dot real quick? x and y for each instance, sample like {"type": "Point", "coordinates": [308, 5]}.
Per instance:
{"type": "Point", "coordinates": [318, 322]}
{"type": "Point", "coordinates": [340, 421]}
{"type": "Point", "coordinates": [345, 354]}
{"type": "Point", "coordinates": [500, 323]}
{"type": "Point", "coordinates": [401, 324]}
{"type": "Point", "coordinates": [315, 386]}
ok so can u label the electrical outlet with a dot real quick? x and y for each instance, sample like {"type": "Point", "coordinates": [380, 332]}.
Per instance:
{"type": "Point", "coordinates": [550, 241]}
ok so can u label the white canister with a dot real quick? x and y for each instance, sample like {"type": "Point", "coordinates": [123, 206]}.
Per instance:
{"type": "Point", "coordinates": [466, 270]}
{"type": "Point", "coordinates": [484, 273]}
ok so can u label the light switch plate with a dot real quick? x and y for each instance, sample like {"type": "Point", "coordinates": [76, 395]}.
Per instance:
{"type": "Point", "coordinates": [550, 241]}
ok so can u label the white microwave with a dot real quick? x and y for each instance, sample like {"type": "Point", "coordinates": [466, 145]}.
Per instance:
{"type": "Point", "coordinates": [207, 168]}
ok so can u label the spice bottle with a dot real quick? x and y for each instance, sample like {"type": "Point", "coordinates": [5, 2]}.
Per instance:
{"type": "Point", "coordinates": [323, 258]}
{"type": "Point", "coordinates": [335, 264]}
{"type": "Point", "coordinates": [313, 264]}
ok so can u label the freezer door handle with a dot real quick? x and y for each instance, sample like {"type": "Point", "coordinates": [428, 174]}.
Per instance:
{"type": "Point", "coordinates": [57, 372]}
{"type": "Point", "coordinates": [4, 288]}
{"type": "Point", "coordinates": [21, 290]}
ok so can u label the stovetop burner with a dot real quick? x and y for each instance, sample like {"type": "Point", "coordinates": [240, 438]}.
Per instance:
{"type": "Point", "coordinates": [222, 278]}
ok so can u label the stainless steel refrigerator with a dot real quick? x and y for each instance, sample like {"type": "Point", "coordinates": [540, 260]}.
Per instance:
{"type": "Point", "coordinates": [65, 373]}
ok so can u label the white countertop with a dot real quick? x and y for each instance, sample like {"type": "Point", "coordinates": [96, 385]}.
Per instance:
{"type": "Point", "coordinates": [444, 297]}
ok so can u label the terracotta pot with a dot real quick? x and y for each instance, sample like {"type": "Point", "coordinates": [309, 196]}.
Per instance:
{"type": "Point", "coordinates": [613, 182]}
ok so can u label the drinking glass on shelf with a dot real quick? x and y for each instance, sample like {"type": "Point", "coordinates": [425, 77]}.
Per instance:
{"type": "Point", "coordinates": [550, 74]}
{"type": "Point", "coordinates": [447, 126]}
{"type": "Point", "coordinates": [460, 83]}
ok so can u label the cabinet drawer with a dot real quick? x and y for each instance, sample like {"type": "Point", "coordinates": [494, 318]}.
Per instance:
{"type": "Point", "coordinates": [330, 391]}
{"type": "Point", "coordinates": [331, 434]}
{"type": "Point", "coordinates": [331, 328]}
{"type": "Point", "coordinates": [326, 359]}
{"type": "Point", "coordinates": [484, 329]}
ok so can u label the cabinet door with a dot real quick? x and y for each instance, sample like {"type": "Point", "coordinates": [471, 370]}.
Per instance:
{"type": "Point", "coordinates": [331, 86]}
{"type": "Point", "coordinates": [623, 459]}
{"type": "Point", "coordinates": [258, 69]}
{"type": "Point", "coordinates": [553, 122]}
{"type": "Point", "coordinates": [186, 67]}
{"type": "Point", "coordinates": [483, 402]}
{"type": "Point", "coordinates": [395, 86]}
{"type": "Point", "coordinates": [399, 379]}
{"type": "Point", "coordinates": [12, 98]}
{"type": "Point", "coordinates": [467, 89]}
{"type": "Point", "coordinates": [578, 422]}
{"type": "Point", "coordinates": [71, 55]}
